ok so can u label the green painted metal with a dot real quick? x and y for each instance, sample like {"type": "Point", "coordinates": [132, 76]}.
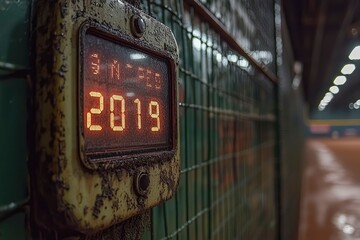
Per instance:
{"type": "Point", "coordinates": [227, 124]}
{"type": "Point", "coordinates": [291, 134]}
{"type": "Point", "coordinates": [14, 58]}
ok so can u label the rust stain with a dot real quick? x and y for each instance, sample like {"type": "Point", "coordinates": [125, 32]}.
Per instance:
{"type": "Point", "coordinates": [167, 178]}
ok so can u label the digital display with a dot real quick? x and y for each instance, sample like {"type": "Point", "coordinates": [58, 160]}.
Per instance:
{"type": "Point", "coordinates": [126, 97]}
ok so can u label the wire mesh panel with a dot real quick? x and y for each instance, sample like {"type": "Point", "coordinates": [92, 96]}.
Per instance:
{"type": "Point", "coordinates": [291, 131]}
{"type": "Point", "coordinates": [251, 25]}
{"type": "Point", "coordinates": [227, 131]}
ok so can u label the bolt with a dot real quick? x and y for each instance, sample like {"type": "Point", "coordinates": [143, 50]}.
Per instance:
{"type": "Point", "coordinates": [138, 26]}
{"type": "Point", "coordinates": [142, 183]}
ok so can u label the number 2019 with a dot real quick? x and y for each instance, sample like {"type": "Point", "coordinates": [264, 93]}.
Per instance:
{"type": "Point", "coordinates": [116, 123]}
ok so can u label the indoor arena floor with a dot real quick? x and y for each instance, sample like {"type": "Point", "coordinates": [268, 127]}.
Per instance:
{"type": "Point", "coordinates": [330, 202]}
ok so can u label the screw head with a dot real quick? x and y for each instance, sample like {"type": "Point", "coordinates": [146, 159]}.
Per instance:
{"type": "Point", "coordinates": [138, 26]}
{"type": "Point", "coordinates": [142, 183]}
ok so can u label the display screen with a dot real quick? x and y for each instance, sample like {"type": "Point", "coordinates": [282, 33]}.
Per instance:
{"type": "Point", "coordinates": [126, 97]}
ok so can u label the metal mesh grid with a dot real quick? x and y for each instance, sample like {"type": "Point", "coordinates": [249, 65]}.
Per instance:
{"type": "Point", "coordinates": [291, 157]}
{"type": "Point", "coordinates": [251, 24]}
{"type": "Point", "coordinates": [227, 138]}
{"type": "Point", "coordinates": [291, 132]}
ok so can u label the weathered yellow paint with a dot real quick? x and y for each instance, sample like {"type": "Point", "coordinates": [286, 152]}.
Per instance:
{"type": "Point", "coordinates": [71, 192]}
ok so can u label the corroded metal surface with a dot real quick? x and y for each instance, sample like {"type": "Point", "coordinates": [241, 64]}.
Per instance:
{"type": "Point", "coordinates": [70, 193]}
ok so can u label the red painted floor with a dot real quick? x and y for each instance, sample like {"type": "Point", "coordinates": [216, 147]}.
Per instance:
{"type": "Point", "coordinates": [330, 204]}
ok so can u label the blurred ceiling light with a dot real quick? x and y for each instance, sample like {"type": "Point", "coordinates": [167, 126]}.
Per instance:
{"type": "Point", "coordinates": [340, 80]}
{"type": "Point", "coordinates": [358, 102]}
{"type": "Point", "coordinates": [334, 89]}
{"type": "Point", "coordinates": [321, 108]}
{"type": "Point", "coordinates": [348, 69]}
{"type": "Point", "coordinates": [356, 106]}
{"type": "Point", "coordinates": [327, 98]}
{"type": "Point", "coordinates": [324, 103]}
{"type": "Point", "coordinates": [351, 106]}
{"type": "Point", "coordinates": [329, 94]}
{"type": "Point", "coordinates": [355, 53]}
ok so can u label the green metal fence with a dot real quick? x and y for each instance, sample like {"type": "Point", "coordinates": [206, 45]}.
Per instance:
{"type": "Point", "coordinates": [227, 123]}
{"type": "Point", "coordinates": [291, 133]}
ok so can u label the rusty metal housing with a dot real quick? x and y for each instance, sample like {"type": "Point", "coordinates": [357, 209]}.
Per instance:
{"type": "Point", "coordinates": [73, 193]}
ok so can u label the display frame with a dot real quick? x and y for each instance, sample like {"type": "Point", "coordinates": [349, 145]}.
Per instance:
{"type": "Point", "coordinates": [131, 157]}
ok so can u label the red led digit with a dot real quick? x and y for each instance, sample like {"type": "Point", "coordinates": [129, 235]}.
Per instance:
{"type": "Point", "coordinates": [155, 115]}
{"type": "Point", "coordinates": [148, 78]}
{"type": "Point", "coordinates": [157, 81]}
{"type": "Point", "coordinates": [95, 64]}
{"type": "Point", "coordinates": [138, 103]}
{"type": "Point", "coordinates": [98, 110]}
{"type": "Point", "coordinates": [115, 70]}
{"type": "Point", "coordinates": [141, 73]}
{"type": "Point", "coordinates": [119, 98]}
